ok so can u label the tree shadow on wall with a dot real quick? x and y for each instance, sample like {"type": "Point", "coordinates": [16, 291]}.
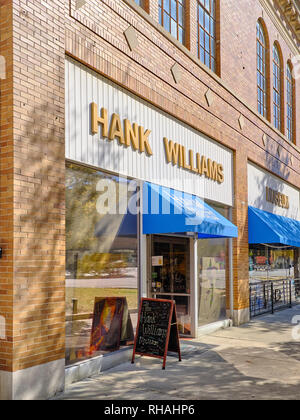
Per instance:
{"type": "Point", "coordinates": [39, 232]}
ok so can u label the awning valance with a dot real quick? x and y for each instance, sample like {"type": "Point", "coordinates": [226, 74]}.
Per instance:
{"type": "Point", "coordinates": [169, 211]}
{"type": "Point", "coordinates": [269, 228]}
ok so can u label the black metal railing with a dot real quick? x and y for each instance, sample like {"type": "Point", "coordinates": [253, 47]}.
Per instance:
{"type": "Point", "coordinates": [270, 296]}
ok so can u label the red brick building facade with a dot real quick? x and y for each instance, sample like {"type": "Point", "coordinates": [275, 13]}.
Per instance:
{"type": "Point", "coordinates": [36, 39]}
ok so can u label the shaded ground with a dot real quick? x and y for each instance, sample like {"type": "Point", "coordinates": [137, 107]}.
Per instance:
{"type": "Point", "coordinates": [257, 361]}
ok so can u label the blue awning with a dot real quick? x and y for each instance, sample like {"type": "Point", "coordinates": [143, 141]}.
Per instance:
{"type": "Point", "coordinates": [268, 228]}
{"type": "Point", "coordinates": [169, 211]}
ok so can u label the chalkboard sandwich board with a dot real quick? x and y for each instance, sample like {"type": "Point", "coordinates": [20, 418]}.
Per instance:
{"type": "Point", "coordinates": [157, 330]}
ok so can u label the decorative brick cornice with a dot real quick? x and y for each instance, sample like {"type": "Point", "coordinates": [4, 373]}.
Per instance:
{"type": "Point", "coordinates": [291, 10]}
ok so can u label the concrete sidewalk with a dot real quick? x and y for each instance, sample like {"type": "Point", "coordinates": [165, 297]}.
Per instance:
{"type": "Point", "coordinates": [260, 360]}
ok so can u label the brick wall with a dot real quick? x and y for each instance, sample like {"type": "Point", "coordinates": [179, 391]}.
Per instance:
{"type": "Point", "coordinates": [146, 71]}
{"type": "Point", "coordinates": [39, 182]}
{"type": "Point", "coordinates": [238, 49]}
{"type": "Point", "coordinates": [94, 36]}
{"type": "Point", "coordinates": [32, 275]}
{"type": "Point", "coordinates": [240, 245]}
{"type": "Point", "coordinates": [6, 187]}
{"type": "Point", "coordinates": [35, 164]}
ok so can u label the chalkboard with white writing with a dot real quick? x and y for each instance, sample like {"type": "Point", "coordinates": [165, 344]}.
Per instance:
{"type": "Point", "coordinates": [157, 330]}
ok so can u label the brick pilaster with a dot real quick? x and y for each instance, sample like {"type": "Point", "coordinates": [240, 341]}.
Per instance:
{"type": "Point", "coordinates": [6, 188]}
{"type": "Point", "coordinates": [39, 184]}
{"type": "Point", "coordinates": [192, 26]}
{"type": "Point", "coordinates": [240, 245]}
{"type": "Point", "coordinates": [33, 167]}
{"type": "Point", "coordinates": [153, 9]}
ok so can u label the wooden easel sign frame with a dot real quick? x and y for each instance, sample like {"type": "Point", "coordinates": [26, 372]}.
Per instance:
{"type": "Point", "coordinates": [157, 330]}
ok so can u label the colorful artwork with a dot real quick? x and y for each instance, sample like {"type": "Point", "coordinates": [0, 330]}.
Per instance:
{"type": "Point", "coordinates": [107, 323]}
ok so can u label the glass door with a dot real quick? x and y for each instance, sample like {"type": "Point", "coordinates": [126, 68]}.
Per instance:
{"type": "Point", "coordinates": [170, 276]}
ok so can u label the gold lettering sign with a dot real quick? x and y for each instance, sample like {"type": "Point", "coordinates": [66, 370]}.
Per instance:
{"type": "Point", "coordinates": [177, 155]}
{"type": "Point", "coordinates": [136, 136]}
{"type": "Point", "coordinates": [127, 134]}
{"type": "Point", "coordinates": [277, 198]}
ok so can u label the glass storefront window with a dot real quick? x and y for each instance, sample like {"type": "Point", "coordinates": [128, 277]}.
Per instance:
{"type": "Point", "coordinates": [270, 262]}
{"type": "Point", "coordinates": [212, 264]}
{"type": "Point", "coordinates": [101, 260]}
{"type": "Point", "coordinates": [213, 276]}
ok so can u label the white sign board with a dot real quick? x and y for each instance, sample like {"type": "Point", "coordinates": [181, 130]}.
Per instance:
{"type": "Point", "coordinates": [260, 181]}
{"type": "Point", "coordinates": [85, 87]}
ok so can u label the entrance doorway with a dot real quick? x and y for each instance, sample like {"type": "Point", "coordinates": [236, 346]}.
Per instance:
{"type": "Point", "coordinates": [170, 276]}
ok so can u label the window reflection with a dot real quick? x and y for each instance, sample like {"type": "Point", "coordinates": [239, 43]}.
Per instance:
{"type": "Point", "coordinates": [289, 103]}
{"type": "Point", "coordinates": [261, 52]}
{"type": "Point", "coordinates": [212, 258]}
{"type": "Point", "coordinates": [213, 276]}
{"type": "Point", "coordinates": [101, 253]}
{"type": "Point", "coordinates": [207, 33]}
{"type": "Point", "coordinates": [171, 17]}
{"type": "Point", "coordinates": [277, 87]}
{"type": "Point", "coordinates": [140, 2]}
{"type": "Point", "coordinates": [271, 263]}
